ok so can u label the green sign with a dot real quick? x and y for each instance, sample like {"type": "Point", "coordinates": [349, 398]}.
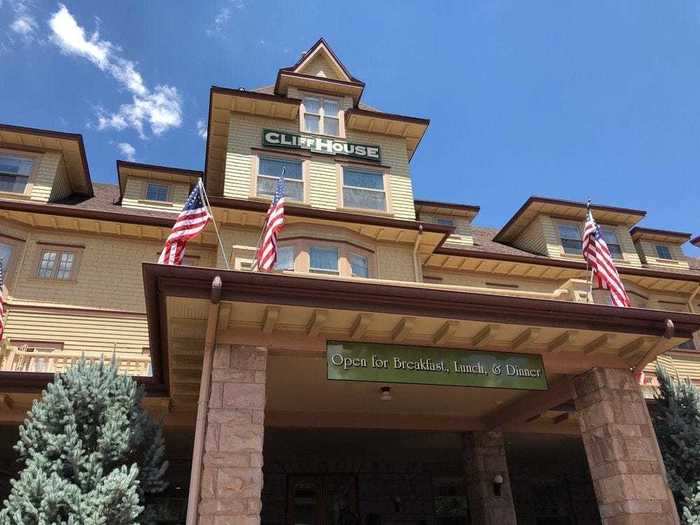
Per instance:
{"type": "Point", "coordinates": [434, 366]}
{"type": "Point", "coordinates": [325, 145]}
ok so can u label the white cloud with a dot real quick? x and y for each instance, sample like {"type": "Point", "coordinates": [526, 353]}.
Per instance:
{"type": "Point", "coordinates": [127, 150]}
{"type": "Point", "coordinates": [159, 108]}
{"type": "Point", "coordinates": [202, 129]}
{"type": "Point", "coordinates": [223, 16]}
{"type": "Point", "coordinates": [24, 25]}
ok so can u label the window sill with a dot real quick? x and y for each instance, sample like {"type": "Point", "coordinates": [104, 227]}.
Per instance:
{"type": "Point", "coordinates": [73, 280]}
{"type": "Point", "coordinates": [289, 201]}
{"type": "Point", "coordinates": [322, 135]}
{"type": "Point", "coordinates": [162, 204]}
{"type": "Point", "coordinates": [365, 211]}
{"type": "Point", "coordinates": [13, 195]}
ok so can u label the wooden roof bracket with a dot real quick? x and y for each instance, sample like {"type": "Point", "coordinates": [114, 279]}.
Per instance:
{"type": "Point", "coordinates": [657, 348]}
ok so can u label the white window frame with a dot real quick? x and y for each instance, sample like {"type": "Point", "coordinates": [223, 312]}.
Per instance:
{"type": "Point", "coordinates": [165, 185]}
{"type": "Point", "coordinates": [362, 169]}
{"type": "Point", "coordinates": [60, 252]}
{"type": "Point", "coordinates": [562, 238]}
{"type": "Point", "coordinates": [325, 271]}
{"type": "Point", "coordinates": [30, 178]}
{"type": "Point", "coordinates": [321, 115]}
{"type": "Point", "coordinates": [279, 158]}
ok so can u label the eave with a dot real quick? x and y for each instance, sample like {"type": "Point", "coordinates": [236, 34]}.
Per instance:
{"type": "Point", "coordinates": [126, 169]}
{"type": "Point", "coordinates": [410, 128]}
{"type": "Point", "coordinates": [654, 234]}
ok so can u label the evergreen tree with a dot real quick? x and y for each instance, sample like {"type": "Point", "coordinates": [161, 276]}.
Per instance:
{"type": "Point", "coordinates": [91, 454]}
{"type": "Point", "coordinates": [676, 419]}
{"type": "Point", "coordinates": [691, 509]}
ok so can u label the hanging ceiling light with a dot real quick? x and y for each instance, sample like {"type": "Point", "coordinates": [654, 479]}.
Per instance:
{"type": "Point", "coordinates": [385, 393]}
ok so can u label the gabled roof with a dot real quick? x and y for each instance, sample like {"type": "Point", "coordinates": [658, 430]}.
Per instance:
{"type": "Point", "coordinates": [659, 235]}
{"type": "Point", "coordinates": [319, 69]}
{"type": "Point", "coordinates": [449, 208]}
{"type": "Point", "coordinates": [70, 145]}
{"type": "Point", "coordinates": [570, 210]}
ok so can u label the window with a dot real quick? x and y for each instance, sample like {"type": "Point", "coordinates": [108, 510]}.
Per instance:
{"type": "Point", "coordinates": [612, 241]}
{"type": "Point", "coordinates": [445, 221]}
{"type": "Point", "coordinates": [323, 260]}
{"type": "Point", "coordinates": [270, 172]}
{"type": "Point", "coordinates": [363, 189]}
{"type": "Point", "coordinates": [321, 115]}
{"type": "Point", "coordinates": [688, 345]}
{"type": "Point", "coordinates": [664, 252]}
{"type": "Point", "coordinates": [157, 192]}
{"type": "Point", "coordinates": [14, 173]}
{"type": "Point", "coordinates": [5, 257]}
{"type": "Point", "coordinates": [285, 258]}
{"type": "Point", "coordinates": [57, 264]}
{"type": "Point", "coordinates": [359, 264]}
{"type": "Point", "coordinates": [570, 239]}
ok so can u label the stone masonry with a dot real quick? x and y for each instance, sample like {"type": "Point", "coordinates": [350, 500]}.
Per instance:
{"type": "Point", "coordinates": [485, 458]}
{"type": "Point", "coordinates": [233, 457]}
{"type": "Point", "coordinates": [625, 463]}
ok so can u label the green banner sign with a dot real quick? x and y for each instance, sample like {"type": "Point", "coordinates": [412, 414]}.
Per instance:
{"type": "Point", "coordinates": [326, 145]}
{"type": "Point", "coordinates": [434, 366]}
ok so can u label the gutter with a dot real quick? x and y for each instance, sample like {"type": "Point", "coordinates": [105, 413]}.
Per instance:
{"type": "Point", "coordinates": [203, 403]}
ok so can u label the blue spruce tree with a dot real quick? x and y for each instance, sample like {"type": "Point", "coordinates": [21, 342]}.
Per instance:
{"type": "Point", "coordinates": [676, 417]}
{"type": "Point", "coordinates": [91, 454]}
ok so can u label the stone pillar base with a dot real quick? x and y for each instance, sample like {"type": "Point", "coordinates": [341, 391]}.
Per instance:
{"type": "Point", "coordinates": [485, 460]}
{"type": "Point", "coordinates": [628, 473]}
{"type": "Point", "coordinates": [233, 457]}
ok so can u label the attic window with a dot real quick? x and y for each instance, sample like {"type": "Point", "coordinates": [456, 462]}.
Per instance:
{"type": "Point", "coordinates": [321, 116]}
{"type": "Point", "coordinates": [664, 252]}
{"type": "Point", "coordinates": [157, 192]}
{"type": "Point", "coordinates": [570, 239]}
{"type": "Point", "coordinates": [14, 173]}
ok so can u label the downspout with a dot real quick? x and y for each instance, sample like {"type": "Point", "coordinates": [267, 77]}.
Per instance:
{"type": "Point", "coordinates": [203, 403]}
{"type": "Point", "coordinates": [417, 270]}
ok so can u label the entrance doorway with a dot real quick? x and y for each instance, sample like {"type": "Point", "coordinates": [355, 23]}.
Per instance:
{"type": "Point", "coordinates": [328, 499]}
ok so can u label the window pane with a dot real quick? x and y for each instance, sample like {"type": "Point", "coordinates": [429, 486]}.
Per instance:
{"type": "Point", "coordinates": [444, 221]}
{"type": "Point", "coordinates": [571, 246]}
{"type": "Point", "coordinates": [157, 192]}
{"type": "Point", "coordinates": [65, 266]}
{"type": "Point", "coordinates": [330, 108]}
{"type": "Point", "coordinates": [312, 105]}
{"type": "Point", "coordinates": [311, 123]}
{"type": "Point", "coordinates": [663, 252]}
{"type": "Point", "coordinates": [324, 259]}
{"type": "Point", "coordinates": [363, 179]}
{"type": "Point", "coordinates": [359, 265]}
{"type": "Point", "coordinates": [12, 165]}
{"type": "Point", "coordinates": [5, 255]}
{"type": "Point", "coordinates": [13, 183]}
{"type": "Point", "coordinates": [292, 189]}
{"type": "Point", "coordinates": [569, 231]}
{"type": "Point", "coordinates": [47, 264]}
{"type": "Point", "coordinates": [365, 199]}
{"type": "Point", "coordinates": [273, 168]}
{"type": "Point", "coordinates": [285, 258]}
{"type": "Point", "coordinates": [331, 126]}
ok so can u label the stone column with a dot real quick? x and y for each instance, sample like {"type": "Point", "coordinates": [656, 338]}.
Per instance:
{"type": "Point", "coordinates": [485, 459]}
{"type": "Point", "coordinates": [624, 458]}
{"type": "Point", "coordinates": [233, 455]}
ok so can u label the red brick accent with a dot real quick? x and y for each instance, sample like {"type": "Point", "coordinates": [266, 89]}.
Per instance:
{"type": "Point", "coordinates": [485, 458]}
{"type": "Point", "coordinates": [626, 467]}
{"type": "Point", "coordinates": [232, 476]}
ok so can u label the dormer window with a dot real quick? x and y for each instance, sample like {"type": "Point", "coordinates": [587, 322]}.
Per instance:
{"type": "Point", "coordinates": [612, 241]}
{"type": "Point", "coordinates": [445, 221]}
{"type": "Point", "coordinates": [663, 252]}
{"type": "Point", "coordinates": [321, 115]}
{"type": "Point", "coordinates": [14, 173]}
{"type": "Point", "coordinates": [157, 192]}
{"type": "Point", "coordinates": [570, 239]}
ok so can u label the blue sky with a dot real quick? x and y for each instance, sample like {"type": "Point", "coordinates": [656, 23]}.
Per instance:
{"type": "Point", "coordinates": [565, 99]}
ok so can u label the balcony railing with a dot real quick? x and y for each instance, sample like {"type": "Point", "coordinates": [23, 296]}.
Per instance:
{"type": "Point", "coordinates": [28, 359]}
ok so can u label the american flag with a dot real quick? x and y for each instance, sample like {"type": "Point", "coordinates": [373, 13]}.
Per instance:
{"type": "Point", "coordinates": [597, 255]}
{"type": "Point", "coordinates": [267, 252]}
{"type": "Point", "coordinates": [2, 301]}
{"type": "Point", "coordinates": [192, 219]}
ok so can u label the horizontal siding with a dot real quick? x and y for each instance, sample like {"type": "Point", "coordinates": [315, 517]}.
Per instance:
{"type": "Point", "coordinates": [61, 184]}
{"type": "Point", "coordinates": [532, 239]}
{"type": "Point", "coordinates": [463, 231]}
{"type": "Point", "coordinates": [647, 250]}
{"type": "Point", "coordinates": [136, 190]}
{"type": "Point", "coordinates": [78, 332]}
{"type": "Point", "coordinates": [45, 176]}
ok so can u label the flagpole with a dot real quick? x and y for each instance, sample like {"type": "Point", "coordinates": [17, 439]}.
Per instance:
{"type": "Point", "coordinates": [590, 276]}
{"type": "Point", "coordinates": [216, 228]}
{"type": "Point", "coordinates": [254, 268]}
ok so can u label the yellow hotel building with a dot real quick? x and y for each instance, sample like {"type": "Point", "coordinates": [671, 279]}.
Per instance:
{"type": "Point", "coordinates": [401, 366]}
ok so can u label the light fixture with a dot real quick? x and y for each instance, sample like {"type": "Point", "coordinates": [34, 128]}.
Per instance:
{"type": "Point", "coordinates": [497, 484]}
{"type": "Point", "coordinates": [385, 393]}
